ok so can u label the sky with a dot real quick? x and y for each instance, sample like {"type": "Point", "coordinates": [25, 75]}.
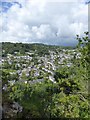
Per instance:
{"type": "Point", "coordinates": [55, 22]}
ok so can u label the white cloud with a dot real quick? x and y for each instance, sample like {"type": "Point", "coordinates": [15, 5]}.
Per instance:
{"type": "Point", "coordinates": [47, 22]}
{"type": "Point", "coordinates": [43, 32]}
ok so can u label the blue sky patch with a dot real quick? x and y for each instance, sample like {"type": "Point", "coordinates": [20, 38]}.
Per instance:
{"type": "Point", "coordinates": [6, 5]}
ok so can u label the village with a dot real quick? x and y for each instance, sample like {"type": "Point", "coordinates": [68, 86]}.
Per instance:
{"type": "Point", "coordinates": [28, 69]}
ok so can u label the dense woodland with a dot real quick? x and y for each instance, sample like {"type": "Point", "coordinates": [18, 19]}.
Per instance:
{"type": "Point", "coordinates": [67, 98]}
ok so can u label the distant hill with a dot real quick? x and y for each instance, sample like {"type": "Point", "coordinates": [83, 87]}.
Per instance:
{"type": "Point", "coordinates": [41, 49]}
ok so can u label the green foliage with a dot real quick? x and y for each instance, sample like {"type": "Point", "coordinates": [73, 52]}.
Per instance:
{"type": "Point", "coordinates": [34, 98]}
{"type": "Point", "coordinates": [73, 84]}
{"type": "Point", "coordinates": [69, 106]}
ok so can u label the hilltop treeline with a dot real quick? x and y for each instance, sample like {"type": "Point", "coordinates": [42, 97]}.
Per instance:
{"type": "Point", "coordinates": [41, 49]}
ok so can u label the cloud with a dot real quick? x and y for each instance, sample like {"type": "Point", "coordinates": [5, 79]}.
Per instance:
{"type": "Point", "coordinates": [44, 22]}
